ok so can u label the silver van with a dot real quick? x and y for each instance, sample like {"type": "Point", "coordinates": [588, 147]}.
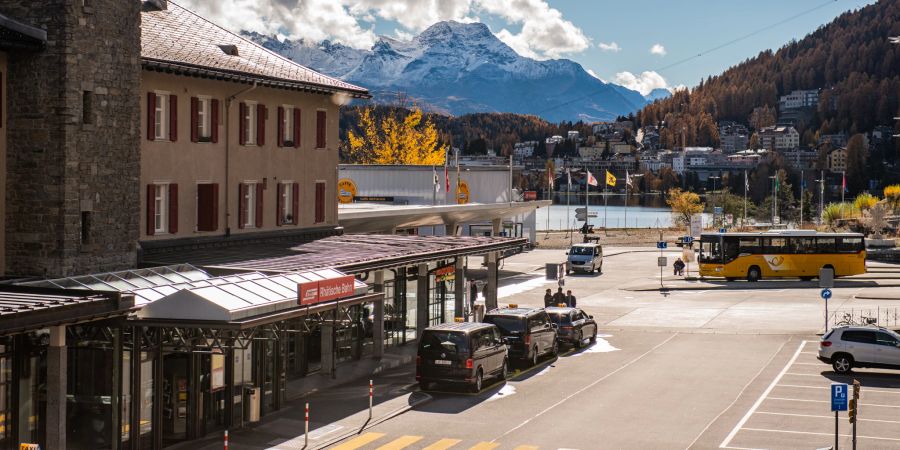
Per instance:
{"type": "Point", "coordinates": [585, 258]}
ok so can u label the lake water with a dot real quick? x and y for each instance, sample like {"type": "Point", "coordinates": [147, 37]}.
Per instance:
{"type": "Point", "coordinates": [638, 217]}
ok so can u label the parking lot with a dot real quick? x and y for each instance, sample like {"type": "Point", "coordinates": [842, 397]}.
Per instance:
{"type": "Point", "coordinates": [794, 411]}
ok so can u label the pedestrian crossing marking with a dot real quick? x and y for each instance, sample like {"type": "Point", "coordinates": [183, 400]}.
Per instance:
{"type": "Point", "coordinates": [400, 443]}
{"type": "Point", "coordinates": [443, 444]}
{"type": "Point", "coordinates": [485, 446]}
{"type": "Point", "coordinates": [526, 447]}
{"type": "Point", "coordinates": [360, 441]}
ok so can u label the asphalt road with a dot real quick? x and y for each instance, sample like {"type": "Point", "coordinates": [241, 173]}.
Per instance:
{"type": "Point", "coordinates": [702, 365]}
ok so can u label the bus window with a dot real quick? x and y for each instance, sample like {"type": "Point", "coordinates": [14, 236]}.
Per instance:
{"type": "Point", "coordinates": [731, 248]}
{"type": "Point", "coordinates": [749, 245]}
{"type": "Point", "coordinates": [804, 245]}
{"type": "Point", "coordinates": [826, 245]}
{"type": "Point", "coordinates": [710, 251]}
{"type": "Point", "coordinates": [850, 245]}
{"type": "Point", "coordinates": [775, 245]}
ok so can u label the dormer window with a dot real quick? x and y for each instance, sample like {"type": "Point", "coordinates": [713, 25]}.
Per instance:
{"type": "Point", "coordinates": [230, 49]}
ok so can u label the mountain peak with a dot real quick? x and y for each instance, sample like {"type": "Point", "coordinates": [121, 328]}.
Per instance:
{"type": "Point", "coordinates": [451, 29]}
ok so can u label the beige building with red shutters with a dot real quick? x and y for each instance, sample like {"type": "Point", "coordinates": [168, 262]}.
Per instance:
{"type": "Point", "coordinates": [238, 139]}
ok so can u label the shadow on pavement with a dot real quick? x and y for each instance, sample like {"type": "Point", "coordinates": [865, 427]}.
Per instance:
{"type": "Point", "coordinates": [888, 380]}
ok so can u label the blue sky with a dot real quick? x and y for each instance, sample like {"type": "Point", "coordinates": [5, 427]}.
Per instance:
{"type": "Point", "coordinates": [612, 39]}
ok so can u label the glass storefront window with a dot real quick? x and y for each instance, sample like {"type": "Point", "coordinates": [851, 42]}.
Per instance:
{"type": "Point", "coordinates": [6, 386]}
{"type": "Point", "coordinates": [148, 362]}
{"type": "Point", "coordinates": [89, 397]}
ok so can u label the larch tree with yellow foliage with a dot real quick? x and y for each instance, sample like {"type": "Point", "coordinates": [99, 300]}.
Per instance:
{"type": "Point", "coordinates": [684, 204]}
{"type": "Point", "coordinates": [395, 140]}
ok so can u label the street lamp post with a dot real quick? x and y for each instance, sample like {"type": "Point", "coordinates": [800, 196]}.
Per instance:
{"type": "Point", "coordinates": [714, 178]}
{"type": "Point", "coordinates": [774, 197]}
{"type": "Point", "coordinates": [821, 182]}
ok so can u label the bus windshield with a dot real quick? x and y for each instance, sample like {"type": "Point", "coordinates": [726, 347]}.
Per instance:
{"type": "Point", "coordinates": [710, 250]}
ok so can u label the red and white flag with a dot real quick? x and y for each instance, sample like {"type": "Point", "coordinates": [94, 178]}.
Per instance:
{"type": "Point", "coordinates": [591, 179]}
{"type": "Point", "coordinates": [446, 176]}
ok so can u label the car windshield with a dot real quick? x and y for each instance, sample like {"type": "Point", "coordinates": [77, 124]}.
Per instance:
{"type": "Point", "coordinates": [507, 325]}
{"type": "Point", "coordinates": [561, 318]}
{"type": "Point", "coordinates": [443, 341]}
{"type": "Point", "coordinates": [582, 251]}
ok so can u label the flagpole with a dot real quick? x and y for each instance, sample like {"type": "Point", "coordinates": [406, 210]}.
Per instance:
{"type": "Point", "coordinates": [605, 199]}
{"type": "Point", "coordinates": [802, 185]}
{"type": "Point", "coordinates": [843, 190]}
{"type": "Point", "coordinates": [587, 188]}
{"type": "Point", "coordinates": [626, 200]}
{"type": "Point", "coordinates": [744, 224]}
{"type": "Point", "coordinates": [568, 200]}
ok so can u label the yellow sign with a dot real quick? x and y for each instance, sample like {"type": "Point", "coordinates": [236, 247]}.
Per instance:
{"type": "Point", "coordinates": [346, 190]}
{"type": "Point", "coordinates": [462, 193]}
{"type": "Point", "coordinates": [29, 447]}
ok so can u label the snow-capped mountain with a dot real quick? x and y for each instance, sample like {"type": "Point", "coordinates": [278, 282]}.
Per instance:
{"type": "Point", "coordinates": [657, 94]}
{"type": "Point", "coordinates": [461, 68]}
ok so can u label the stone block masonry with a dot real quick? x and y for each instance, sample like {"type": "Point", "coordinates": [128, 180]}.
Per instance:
{"type": "Point", "coordinates": [73, 155]}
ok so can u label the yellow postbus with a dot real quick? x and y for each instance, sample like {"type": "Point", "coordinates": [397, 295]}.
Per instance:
{"type": "Point", "coordinates": [775, 254]}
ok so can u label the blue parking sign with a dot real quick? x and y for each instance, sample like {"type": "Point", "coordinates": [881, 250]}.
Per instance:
{"type": "Point", "coordinates": [839, 396]}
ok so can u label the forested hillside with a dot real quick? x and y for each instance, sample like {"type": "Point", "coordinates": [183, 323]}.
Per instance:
{"type": "Point", "coordinates": [850, 59]}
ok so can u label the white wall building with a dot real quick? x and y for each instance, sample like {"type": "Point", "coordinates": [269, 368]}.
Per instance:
{"type": "Point", "coordinates": [799, 99]}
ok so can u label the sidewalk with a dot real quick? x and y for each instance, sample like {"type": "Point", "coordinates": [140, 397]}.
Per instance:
{"type": "Point", "coordinates": [338, 407]}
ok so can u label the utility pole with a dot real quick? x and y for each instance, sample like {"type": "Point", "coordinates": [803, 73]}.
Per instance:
{"type": "Point", "coordinates": [746, 184]}
{"type": "Point", "coordinates": [713, 195]}
{"type": "Point", "coordinates": [821, 182]}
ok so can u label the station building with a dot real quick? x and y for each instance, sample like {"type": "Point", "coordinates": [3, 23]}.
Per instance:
{"type": "Point", "coordinates": [173, 259]}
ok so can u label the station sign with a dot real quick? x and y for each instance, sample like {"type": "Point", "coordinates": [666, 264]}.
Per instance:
{"type": "Point", "coordinates": [529, 196]}
{"type": "Point", "coordinates": [313, 292]}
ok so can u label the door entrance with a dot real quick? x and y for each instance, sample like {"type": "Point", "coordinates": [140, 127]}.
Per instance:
{"type": "Point", "coordinates": [175, 397]}
{"type": "Point", "coordinates": [212, 392]}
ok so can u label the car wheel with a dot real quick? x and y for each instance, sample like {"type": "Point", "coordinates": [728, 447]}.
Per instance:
{"type": "Point", "coordinates": [568, 271]}
{"type": "Point", "coordinates": [534, 357]}
{"type": "Point", "coordinates": [594, 337]}
{"type": "Point", "coordinates": [842, 363]}
{"type": "Point", "coordinates": [579, 340]}
{"type": "Point", "coordinates": [555, 350]}
{"type": "Point", "coordinates": [754, 274]}
{"type": "Point", "coordinates": [504, 371]}
{"type": "Point", "coordinates": [600, 269]}
{"type": "Point", "coordinates": [479, 379]}
{"type": "Point", "coordinates": [424, 385]}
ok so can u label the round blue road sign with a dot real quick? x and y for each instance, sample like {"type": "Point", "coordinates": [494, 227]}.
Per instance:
{"type": "Point", "coordinates": [826, 293]}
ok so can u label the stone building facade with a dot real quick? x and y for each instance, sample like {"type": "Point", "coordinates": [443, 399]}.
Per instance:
{"type": "Point", "coordinates": [73, 160]}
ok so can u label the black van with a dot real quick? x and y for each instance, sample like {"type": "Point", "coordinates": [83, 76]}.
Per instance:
{"type": "Point", "coordinates": [528, 332]}
{"type": "Point", "coordinates": [461, 352]}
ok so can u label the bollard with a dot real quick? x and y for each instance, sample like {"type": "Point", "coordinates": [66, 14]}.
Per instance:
{"type": "Point", "coordinates": [306, 428]}
{"type": "Point", "coordinates": [226, 439]}
{"type": "Point", "coordinates": [371, 393]}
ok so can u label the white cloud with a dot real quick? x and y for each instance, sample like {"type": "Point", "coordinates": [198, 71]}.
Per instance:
{"type": "Point", "coordinates": [594, 74]}
{"type": "Point", "coordinates": [610, 47]}
{"type": "Point", "coordinates": [544, 34]}
{"type": "Point", "coordinates": [658, 49]}
{"type": "Point", "coordinates": [643, 83]}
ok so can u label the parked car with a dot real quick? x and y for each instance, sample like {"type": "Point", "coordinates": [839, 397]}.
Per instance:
{"type": "Point", "coordinates": [528, 332]}
{"type": "Point", "coordinates": [585, 257]}
{"type": "Point", "coordinates": [860, 346]}
{"type": "Point", "coordinates": [461, 352]}
{"type": "Point", "coordinates": [573, 325]}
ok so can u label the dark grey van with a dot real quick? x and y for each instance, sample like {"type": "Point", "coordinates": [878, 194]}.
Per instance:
{"type": "Point", "coordinates": [528, 331]}
{"type": "Point", "coordinates": [462, 352]}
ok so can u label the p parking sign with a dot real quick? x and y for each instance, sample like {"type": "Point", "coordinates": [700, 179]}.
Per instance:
{"type": "Point", "coordinates": [839, 397]}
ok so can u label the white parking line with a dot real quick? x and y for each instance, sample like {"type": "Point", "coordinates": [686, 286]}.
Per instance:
{"type": "Point", "coordinates": [829, 402]}
{"type": "Point", "coordinates": [880, 391]}
{"type": "Point", "coordinates": [821, 417]}
{"type": "Point", "coordinates": [762, 397]}
{"type": "Point", "coordinates": [821, 434]}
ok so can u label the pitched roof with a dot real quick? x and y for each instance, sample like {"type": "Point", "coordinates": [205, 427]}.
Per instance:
{"type": "Point", "coordinates": [178, 40]}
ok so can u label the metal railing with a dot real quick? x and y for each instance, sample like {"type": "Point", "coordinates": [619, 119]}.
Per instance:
{"type": "Point", "coordinates": [888, 317]}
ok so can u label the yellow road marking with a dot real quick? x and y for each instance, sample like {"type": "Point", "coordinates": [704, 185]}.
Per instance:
{"type": "Point", "coordinates": [443, 444]}
{"type": "Point", "coordinates": [360, 441]}
{"type": "Point", "coordinates": [526, 447]}
{"type": "Point", "coordinates": [485, 446]}
{"type": "Point", "coordinates": [400, 443]}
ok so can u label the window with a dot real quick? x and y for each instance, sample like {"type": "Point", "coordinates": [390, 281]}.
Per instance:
{"type": "Point", "coordinates": [804, 245]}
{"type": "Point", "coordinates": [320, 202]}
{"type": "Point", "coordinates": [160, 115]}
{"type": "Point", "coordinates": [204, 119]}
{"type": "Point", "coordinates": [826, 245]}
{"type": "Point", "coordinates": [85, 227]}
{"type": "Point", "coordinates": [249, 123]}
{"type": "Point", "coordinates": [286, 126]}
{"type": "Point", "coordinates": [87, 107]}
{"type": "Point", "coordinates": [864, 337]}
{"type": "Point", "coordinates": [162, 208]}
{"type": "Point", "coordinates": [320, 129]}
{"type": "Point", "coordinates": [288, 203]}
{"type": "Point", "coordinates": [207, 207]}
{"type": "Point", "coordinates": [885, 339]}
{"type": "Point", "coordinates": [251, 205]}
{"type": "Point", "coordinates": [850, 244]}
{"type": "Point", "coordinates": [775, 245]}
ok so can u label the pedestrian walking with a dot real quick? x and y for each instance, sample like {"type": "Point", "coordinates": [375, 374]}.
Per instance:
{"type": "Point", "coordinates": [548, 298]}
{"type": "Point", "coordinates": [570, 299]}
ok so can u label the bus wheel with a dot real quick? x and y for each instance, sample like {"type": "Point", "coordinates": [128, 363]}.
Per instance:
{"type": "Point", "coordinates": [754, 274]}
{"type": "Point", "coordinates": [730, 278]}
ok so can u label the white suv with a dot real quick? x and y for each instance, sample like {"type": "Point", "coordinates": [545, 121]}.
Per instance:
{"type": "Point", "coordinates": [860, 346]}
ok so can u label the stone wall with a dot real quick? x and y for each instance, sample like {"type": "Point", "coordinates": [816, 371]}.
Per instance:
{"type": "Point", "coordinates": [61, 165]}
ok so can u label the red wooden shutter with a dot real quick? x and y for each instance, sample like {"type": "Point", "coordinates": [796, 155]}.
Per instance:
{"type": "Point", "coordinates": [260, 125]}
{"type": "Point", "coordinates": [280, 127]}
{"type": "Point", "coordinates": [320, 202]}
{"type": "Point", "coordinates": [195, 119]}
{"type": "Point", "coordinates": [173, 118]}
{"type": "Point", "coordinates": [151, 116]}
{"type": "Point", "coordinates": [320, 129]}
{"type": "Point", "coordinates": [242, 205]}
{"type": "Point", "coordinates": [259, 205]}
{"type": "Point", "coordinates": [173, 208]}
{"type": "Point", "coordinates": [242, 124]}
{"type": "Point", "coordinates": [214, 222]}
{"type": "Point", "coordinates": [151, 209]}
{"type": "Point", "coordinates": [214, 120]}
{"type": "Point", "coordinates": [279, 204]}
{"type": "Point", "coordinates": [296, 132]}
{"type": "Point", "coordinates": [295, 200]}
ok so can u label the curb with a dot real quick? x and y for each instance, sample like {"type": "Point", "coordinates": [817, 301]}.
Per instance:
{"type": "Point", "coordinates": [425, 399]}
{"type": "Point", "coordinates": [749, 287]}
